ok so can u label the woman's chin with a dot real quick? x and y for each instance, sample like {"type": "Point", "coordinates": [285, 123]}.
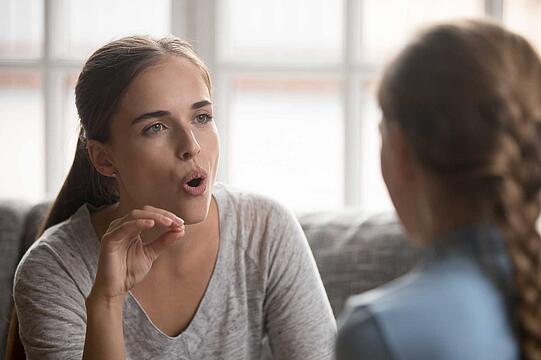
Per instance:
{"type": "Point", "coordinates": [192, 210]}
{"type": "Point", "coordinates": [193, 219]}
{"type": "Point", "coordinates": [193, 215]}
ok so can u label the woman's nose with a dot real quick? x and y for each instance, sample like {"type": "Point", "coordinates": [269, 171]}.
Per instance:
{"type": "Point", "coordinates": [189, 146]}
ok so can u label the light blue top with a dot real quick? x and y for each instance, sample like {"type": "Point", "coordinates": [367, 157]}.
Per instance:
{"type": "Point", "coordinates": [456, 304]}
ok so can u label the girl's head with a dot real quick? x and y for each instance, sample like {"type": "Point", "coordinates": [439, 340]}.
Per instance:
{"type": "Point", "coordinates": [146, 131]}
{"type": "Point", "coordinates": [462, 119]}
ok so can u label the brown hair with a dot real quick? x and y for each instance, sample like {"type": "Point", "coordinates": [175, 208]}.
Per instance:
{"type": "Point", "coordinates": [467, 96]}
{"type": "Point", "coordinates": [101, 84]}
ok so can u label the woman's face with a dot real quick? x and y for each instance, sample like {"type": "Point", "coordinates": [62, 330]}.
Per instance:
{"type": "Point", "coordinates": [164, 144]}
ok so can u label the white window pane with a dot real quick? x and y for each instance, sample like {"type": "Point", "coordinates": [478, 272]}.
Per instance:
{"type": "Point", "coordinates": [524, 16]}
{"type": "Point", "coordinates": [374, 195]}
{"type": "Point", "coordinates": [290, 31]}
{"type": "Point", "coordinates": [21, 28]}
{"type": "Point", "coordinates": [287, 139]}
{"type": "Point", "coordinates": [87, 25]}
{"type": "Point", "coordinates": [21, 138]}
{"type": "Point", "coordinates": [388, 24]}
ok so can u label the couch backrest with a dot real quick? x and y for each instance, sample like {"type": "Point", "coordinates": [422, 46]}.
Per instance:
{"type": "Point", "coordinates": [356, 252]}
{"type": "Point", "coordinates": [12, 225]}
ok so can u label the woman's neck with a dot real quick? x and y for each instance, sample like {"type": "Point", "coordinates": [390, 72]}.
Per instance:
{"type": "Point", "coordinates": [196, 235]}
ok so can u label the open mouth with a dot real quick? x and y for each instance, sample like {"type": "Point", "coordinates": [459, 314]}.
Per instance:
{"type": "Point", "coordinates": [195, 182]}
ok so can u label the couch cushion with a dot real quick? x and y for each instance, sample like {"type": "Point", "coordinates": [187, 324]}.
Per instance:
{"type": "Point", "coordinates": [12, 219]}
{"type": "Point", "coordinates": [355, 252]}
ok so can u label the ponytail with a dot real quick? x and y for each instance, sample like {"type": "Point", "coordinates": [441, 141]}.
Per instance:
{"type": "Point", "coordinates": [83, 184]}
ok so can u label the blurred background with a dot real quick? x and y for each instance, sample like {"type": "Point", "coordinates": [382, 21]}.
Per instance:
{"type": "Point", "coordinates": [294, 85]}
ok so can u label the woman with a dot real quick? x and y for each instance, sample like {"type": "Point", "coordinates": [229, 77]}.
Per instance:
{"type": "Point", "coordinates": [461, 158]}
{"type": "Point", "coordinates": [143, 255]}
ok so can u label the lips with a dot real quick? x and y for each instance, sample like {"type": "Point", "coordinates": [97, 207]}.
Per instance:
{"type": "Point", "coordinates": [195, 183]}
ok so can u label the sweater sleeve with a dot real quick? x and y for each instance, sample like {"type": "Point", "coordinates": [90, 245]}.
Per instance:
{"type": "Point", "coordinates": [298, 318]}
{"type": "Point", "coordinates": [50, 307]}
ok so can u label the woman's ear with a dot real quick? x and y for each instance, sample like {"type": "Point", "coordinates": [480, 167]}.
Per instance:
{"type": "Point", "coordinates": [98, 154]}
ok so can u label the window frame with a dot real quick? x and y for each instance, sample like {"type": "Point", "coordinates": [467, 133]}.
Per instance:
{"type": "Point", "coordinates": [349, 71]}
{"type": "Point", "coordinates": [195, 21]}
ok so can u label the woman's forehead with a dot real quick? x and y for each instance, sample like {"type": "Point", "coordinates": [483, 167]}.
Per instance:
{"type": "Point", "coordinates": [174, 81]}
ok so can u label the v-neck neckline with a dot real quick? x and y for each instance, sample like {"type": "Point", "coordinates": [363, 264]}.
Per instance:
{"type": "Point", "coordinates": [198, 319]}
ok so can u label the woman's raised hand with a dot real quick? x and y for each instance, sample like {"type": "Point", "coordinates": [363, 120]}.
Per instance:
{"type": "Point", "coordinates": [125, 259]}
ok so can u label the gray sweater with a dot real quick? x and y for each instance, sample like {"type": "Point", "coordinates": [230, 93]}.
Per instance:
{"type": "Point", "coordinates": [265, 289]}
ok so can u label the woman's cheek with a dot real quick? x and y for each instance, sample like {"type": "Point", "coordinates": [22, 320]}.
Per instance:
{"type": "Point", "coordinates": [210, 138]}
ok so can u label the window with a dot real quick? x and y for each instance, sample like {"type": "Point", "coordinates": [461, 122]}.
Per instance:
{"type": "Point", "coordinates": [21, 25]}
{"type": "Point", "coordinates": [524, 17]}
{"type": "Point", "coordinates": [38, 73]}
{"type": "Point", "coordinates": [286, 136]}
{"type": "Point", "coordinates": [295, 84]}
{"type": "Point", "coordinates": [22, 135]}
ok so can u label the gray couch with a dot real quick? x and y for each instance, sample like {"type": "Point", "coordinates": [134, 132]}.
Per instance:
{"type": "Point", "coordinates": [354, 253]}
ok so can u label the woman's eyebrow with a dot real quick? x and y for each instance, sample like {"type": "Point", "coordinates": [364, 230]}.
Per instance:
{"type": "Point", "coordinates": [162, 113]}
{"type": "Point", "coordinates": [200, 104]}
{"type": "Point", "coordinates": [153, 114]}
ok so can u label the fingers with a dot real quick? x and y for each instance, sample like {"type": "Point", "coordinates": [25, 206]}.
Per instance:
{"type": "Point", "coordinates": [128, 229]}
{"type": "Point", "coordinates": [155, 248]}
{"type": "Point", "coordinates": [178, 221]}
{"type": "Point", "coordinates": [124, 257]}
{"type": "Point", "coordinates": [161, 217]}
{"type": "Point", "coordinates": [139, 220]}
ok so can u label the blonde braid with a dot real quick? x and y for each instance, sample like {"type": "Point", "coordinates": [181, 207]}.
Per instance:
{"type": "Point", "coordinates": [517, 210]}
{"type": "Point", "coordinates": [523, 243]}
{"type": "Point", "coordinates": [518, 205]}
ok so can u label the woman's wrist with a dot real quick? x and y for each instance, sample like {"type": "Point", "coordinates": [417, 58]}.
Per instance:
{"type": "Point", "coordinates": [104, 332]}
{"type": "Point", "coordinates": [98, 300]}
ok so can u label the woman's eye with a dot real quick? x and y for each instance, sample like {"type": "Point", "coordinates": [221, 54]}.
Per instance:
{"type": "Point", "coordinates": [203, 118]}
{"type": "Point", "coordinates": [154, 129]}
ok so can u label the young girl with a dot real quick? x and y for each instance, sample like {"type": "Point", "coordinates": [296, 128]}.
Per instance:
{"type": "Point", "coordinates": [461, 158]}
{"type": "Point", "coordinates": [143, 255]}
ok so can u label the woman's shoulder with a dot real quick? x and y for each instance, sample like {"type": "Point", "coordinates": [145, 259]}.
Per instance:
{"type": "Point", "coordinates": [65, 245]}
{"type": "Point", "coordinates": [248, 202]}
{"type": "Point", "coordinates": [257, 223]}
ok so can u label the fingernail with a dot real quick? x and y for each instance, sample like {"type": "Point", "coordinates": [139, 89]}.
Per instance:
{"type": "Point", "coordinates": [179, 221]}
